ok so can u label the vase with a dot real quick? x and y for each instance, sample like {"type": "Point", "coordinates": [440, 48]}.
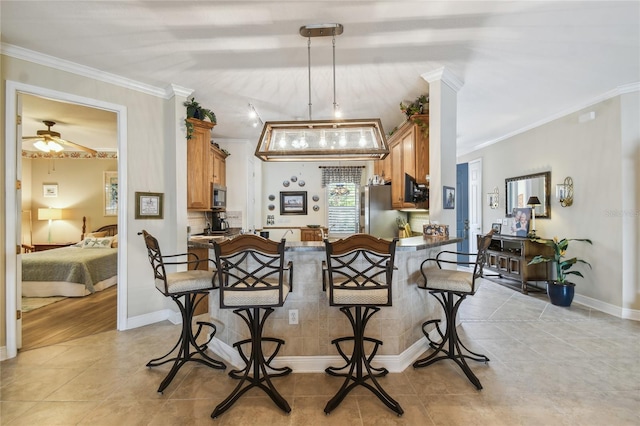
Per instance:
{"type": "Point", "coordinates": [560, 294]}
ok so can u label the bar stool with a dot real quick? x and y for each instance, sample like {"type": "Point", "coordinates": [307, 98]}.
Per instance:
{"type": "Point", "coordinates": [450, 287]}
{"type": "Point", "coordinates": [252, 282]}
{"type": "Point", "coordinates": [186, 290]}
{"type": "Point", "coordinates": [358, 271]}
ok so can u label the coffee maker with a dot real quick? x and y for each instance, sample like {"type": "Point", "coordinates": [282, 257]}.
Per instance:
{"type": "Point", "coordinates": [219, 222]}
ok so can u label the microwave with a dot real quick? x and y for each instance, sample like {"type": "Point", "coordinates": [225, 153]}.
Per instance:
{"type": "Point", "coordinates": [218, 197]}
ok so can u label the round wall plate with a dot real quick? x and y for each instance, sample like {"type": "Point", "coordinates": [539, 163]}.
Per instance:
{"type": "Point", "coordinates": [271, 207]}
{"type": "Point", "coordinates": [301, 183]}
{"type": "Point", "coordinates": [294, 178]}
{"type": "Point", "coordinates": [272, 197]}
{"type": "Point", "coordinates": [315, 198]}
{"type": "Point", "coordinates": [285, 183]}
{"type": "Point", "coordinates": [316, 208]}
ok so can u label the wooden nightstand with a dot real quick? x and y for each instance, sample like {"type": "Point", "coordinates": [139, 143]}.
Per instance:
{"type": "Point", "coordinates": [49, 246]}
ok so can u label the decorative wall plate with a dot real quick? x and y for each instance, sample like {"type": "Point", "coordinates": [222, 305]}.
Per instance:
{"type": "Point", "coordinates": [294, 178]}
{"type": "Point", "coordinates": [285, 183]}
{"type": "Point", "coordinates": [271, 207]}
{"type": "Point", "coordinates": [301, 183]}
{"type": "Point", "coordinates": [316, 208]}
{"type": "Point", "coordinates": [272, 197]}
{"type": "Point", "coordinates": [315, 198]}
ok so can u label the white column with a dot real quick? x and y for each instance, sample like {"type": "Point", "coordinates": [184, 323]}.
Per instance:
{"type": "Point", "coordinates": [443, 110]}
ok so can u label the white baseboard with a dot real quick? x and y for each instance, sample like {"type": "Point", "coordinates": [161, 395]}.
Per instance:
{"type": "Point", "coordinates": [151, 318]}
{"type": "Point", "coordinates": [608, 308]}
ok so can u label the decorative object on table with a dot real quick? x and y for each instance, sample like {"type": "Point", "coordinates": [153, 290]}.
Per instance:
{"type": "Point", "coordinates": [435, 231]}
{"type": "Point", "coordinates": [564, 192]}
{"type": "Point", "coordinates": [293, 203]}
{"type": "Point", "coordinates": [285, 183]}
{"type": "Point", "coordinates": [294, 179]}
{"type": "Point", "coordinates": [149, 205]}
{"type": "Point", "coordinates": [559, 290]}
{"type": "Point", "coordinates": [316, 208]}
{"type": "Point", "coordinates": [493, 197]}
{"type": "Point", "coordinates": [301, 183]}
{"type": "Point", "coordinates": [272, 197]}
{"type": "Point", "coordinates": [448, 197]}
{"type": "Point", "coordinates": [313, 226]}
{"type": "Point", "coordinates": [315, 198]}
{"type": "Point", "coordinates": [519, 222]}
{"type": "Point", "coordinates": [50, 190]}
{"type": "Point", "coordinates": [496, 227]}
{"type": "Point", "coordinates": [533, 201]}
{"type": "Point", "coordinates": [195, 110]}
{"type": "Point", "coordinates": [49, 215]}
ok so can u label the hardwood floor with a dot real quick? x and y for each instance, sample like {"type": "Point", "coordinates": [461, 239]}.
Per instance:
{"type": "Point", "coordinates": [70, 319]}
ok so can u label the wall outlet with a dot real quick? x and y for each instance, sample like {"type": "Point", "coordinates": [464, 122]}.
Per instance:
{"type": "Point", "coordinates": [293, 316]}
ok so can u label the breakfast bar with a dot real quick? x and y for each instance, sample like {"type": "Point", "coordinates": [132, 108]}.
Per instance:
{"type": "Point", "coordinates": [308, 345]}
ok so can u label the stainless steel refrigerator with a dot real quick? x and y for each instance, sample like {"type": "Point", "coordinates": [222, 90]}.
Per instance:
{"type": "Point", "coordinates": [376, 216]}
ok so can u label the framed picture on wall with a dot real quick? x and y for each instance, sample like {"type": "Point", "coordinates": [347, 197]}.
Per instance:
{"type": "Point", "coordinates": [293, 202]}
{"type": "Point", "coordinates": [50, 190]}
{"type": "Point", "coordinates": [448, 197]}
{"type": "Point", "coordinates": [110, 193]}
{"type": "Point", "coordinates": [149, 205]}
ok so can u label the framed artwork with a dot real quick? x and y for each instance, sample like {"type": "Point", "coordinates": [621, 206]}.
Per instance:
{"type": "Point", "coordinates": [448, 197]}
{"type": "Point", "coordinates": [293, 202]}
{"type": "Point", "coordinates": [149, 205]}
{"type": "Point", "coordinates": [50, 190]}
{"type": "Point", "coordinates": [110, 193]}
{"type": "Point", "coordinates": [496, 227]}
{"type": "Point", "coordinates": [520, 222]}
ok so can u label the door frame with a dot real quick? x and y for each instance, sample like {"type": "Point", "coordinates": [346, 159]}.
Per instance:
{"type": "Point", "coordinates": [13, 220]}
{"type": "Point", "coordinates": [475, 203]}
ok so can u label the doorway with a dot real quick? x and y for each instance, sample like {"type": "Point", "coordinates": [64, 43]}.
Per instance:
{"type": "Point", "coordinates": [13, 136]}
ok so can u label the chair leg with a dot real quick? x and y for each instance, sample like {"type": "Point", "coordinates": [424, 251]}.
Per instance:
{"type": "Point", "coordinates": [258, 370]}
{"type": "Point", "coordinates": [450, 345]}
{"type": "Point", "coordinates": [356, 375]}
{"type": "Point", "coordinates": [186, 342]}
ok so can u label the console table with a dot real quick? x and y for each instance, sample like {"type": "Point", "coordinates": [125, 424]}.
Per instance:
{"type": "Point", "coordinates": [509, 256]}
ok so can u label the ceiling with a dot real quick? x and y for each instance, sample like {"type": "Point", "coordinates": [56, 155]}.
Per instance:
{"type": "Point", "coordinates": [521, 63]}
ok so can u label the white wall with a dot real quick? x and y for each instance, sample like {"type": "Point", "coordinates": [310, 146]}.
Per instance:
{"type": "Point", "coordinates": [592, 154]}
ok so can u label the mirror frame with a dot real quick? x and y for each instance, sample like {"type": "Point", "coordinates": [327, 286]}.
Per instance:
{"type": "Point", "coordinates": [546, 214]}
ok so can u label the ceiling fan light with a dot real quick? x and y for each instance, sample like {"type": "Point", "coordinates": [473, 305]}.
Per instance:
{"type": "Point", "coordinates": [53, 146]}
{"type": "Point", "coordinates": [42, 146]}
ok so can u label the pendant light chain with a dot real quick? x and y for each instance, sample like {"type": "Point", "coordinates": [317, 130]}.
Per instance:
{"type": "Point", "coordinates": [309, 66]}
{"type": "Point", "coordinates": [335, 105]}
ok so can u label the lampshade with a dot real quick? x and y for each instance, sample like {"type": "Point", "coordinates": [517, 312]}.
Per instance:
{"type": "Point", "coordinates": [48, 146]}
{"type": "Point", "coordinates": [49, 214]}
{"type": "Point", "coordinates": [318, 140]}
{"type": "Point", "coordinates": [533, 201]}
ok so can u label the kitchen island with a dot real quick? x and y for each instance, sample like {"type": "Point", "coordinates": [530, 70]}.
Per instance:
{"type": "Point", "coordinates": [308, 345]}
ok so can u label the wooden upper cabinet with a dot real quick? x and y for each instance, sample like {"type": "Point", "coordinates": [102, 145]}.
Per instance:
{"type": "Point", "coordinates": [409, 147]}
{"type": "Point", "coordinates": [382, 168]}
{"type": "Point", "coordinates": [206, 165]}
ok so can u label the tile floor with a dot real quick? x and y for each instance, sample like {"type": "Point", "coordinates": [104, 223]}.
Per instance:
{"type": "Point", "coordinates": [549, 366]}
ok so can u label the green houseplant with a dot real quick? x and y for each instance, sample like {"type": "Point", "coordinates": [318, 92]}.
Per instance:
{"type": "Point", "coordinates": [195, 110]}
{"type": "Point", "coordinates": [560, 290]}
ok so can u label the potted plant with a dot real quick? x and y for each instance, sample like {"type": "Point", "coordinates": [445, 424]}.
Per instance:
{"type": "Point", "coordinates": [419, 106]}
{"type": "Point", "coordinates": [194, 110]}
{"type": "Point", "coordinates": [559, 290]}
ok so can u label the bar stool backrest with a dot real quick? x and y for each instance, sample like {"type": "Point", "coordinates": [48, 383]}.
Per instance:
{"type": "Point", "coordinates": [155, 257]}
{"type": "Point", "coordinates": [251, 272]}
{"type": "Point", "coordinates": [359, 270]}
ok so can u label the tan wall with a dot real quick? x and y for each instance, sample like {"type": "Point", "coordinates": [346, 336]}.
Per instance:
{"type": "Point", "coordinates": [591, 153]}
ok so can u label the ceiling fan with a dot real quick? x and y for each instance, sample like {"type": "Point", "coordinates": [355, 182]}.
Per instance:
{"type": "Point", "coordinates": [50, 141]}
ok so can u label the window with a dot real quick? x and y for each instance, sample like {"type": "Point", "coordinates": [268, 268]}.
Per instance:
{"type": "Point", "coordinates": [343, 208]}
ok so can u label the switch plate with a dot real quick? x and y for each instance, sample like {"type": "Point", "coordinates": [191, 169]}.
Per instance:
{"type": "Point", "coordinates": [293, 316]}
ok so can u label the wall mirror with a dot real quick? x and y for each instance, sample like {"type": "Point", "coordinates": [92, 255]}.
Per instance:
{"type": "Point", "coordinates": [519, 189]}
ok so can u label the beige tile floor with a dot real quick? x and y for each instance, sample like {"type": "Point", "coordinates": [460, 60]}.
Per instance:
{"type": "Point", "coordinates": [549, 366]}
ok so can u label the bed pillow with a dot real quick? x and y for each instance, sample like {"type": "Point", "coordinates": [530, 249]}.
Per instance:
{"type": "Point", "coordinates": [114, 241]}
{"type": "Point", "coordinates": [97, 243]}
{"type": "Point", "coordinates": [96, 234]}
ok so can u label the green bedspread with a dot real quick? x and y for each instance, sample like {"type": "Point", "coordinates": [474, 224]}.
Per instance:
{"type": "Point", "coordinates": [71, 264]}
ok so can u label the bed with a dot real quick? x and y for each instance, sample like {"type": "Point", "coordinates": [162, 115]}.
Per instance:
{"type": "Point", "coordinates": [73, 271]}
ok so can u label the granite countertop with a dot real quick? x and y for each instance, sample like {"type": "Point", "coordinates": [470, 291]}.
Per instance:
{"type": "Point", "coordinates": [404, 244]}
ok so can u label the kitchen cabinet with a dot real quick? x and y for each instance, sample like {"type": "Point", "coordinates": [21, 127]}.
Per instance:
{"type": "Point", "coordinates": [382, 168]}
{"type": "Point", "coordinates": [409, 147]}
{"type": "Point", "coordinates": [206, 165]}
{"type": "Point", "coordinates": [202, 253]}
{"type": "Point", "coordinates": [509, 257]}
{"type": "Point", "coordinates": [312, 234]}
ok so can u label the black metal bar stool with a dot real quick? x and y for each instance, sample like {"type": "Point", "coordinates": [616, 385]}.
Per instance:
{"type": "Point", "coordinates": [359, 272]}
{"type": "Point", "coordinates": [186, 289]}
{"type": "Point", "coordinates": [252, 282]}
{"type": "Point", "coordinates": [450, 287]}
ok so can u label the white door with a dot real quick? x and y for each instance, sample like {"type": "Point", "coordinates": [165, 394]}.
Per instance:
{"type": "Point", "coordinates": [18, 144]}
{"type": "Point", "coordinates": [475, 203]}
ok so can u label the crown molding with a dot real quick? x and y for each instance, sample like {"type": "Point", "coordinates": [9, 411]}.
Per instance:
{"type": "Point", "coordinates": [620, 90]}
{"type": "Point", "coordinates": [446, 76]}
{"type": "Point", "coordinates": [96, 74]}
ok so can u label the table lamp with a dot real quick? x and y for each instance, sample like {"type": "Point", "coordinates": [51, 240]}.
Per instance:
{"type": "Point", "coordinates": [50, 215]}
{"type": "Point", "coordinates": [533, 202]}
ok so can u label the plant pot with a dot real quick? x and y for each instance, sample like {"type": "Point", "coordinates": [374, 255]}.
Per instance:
{"type": "Point", "coordinates": [560, 294]}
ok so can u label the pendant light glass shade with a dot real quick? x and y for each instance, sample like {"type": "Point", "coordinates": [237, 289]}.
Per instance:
{"type": "Point", "coordinates": [318, 140]}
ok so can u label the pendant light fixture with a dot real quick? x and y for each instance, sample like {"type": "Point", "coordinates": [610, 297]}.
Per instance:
{"type": "Point", "coordinates": [319, 140]}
